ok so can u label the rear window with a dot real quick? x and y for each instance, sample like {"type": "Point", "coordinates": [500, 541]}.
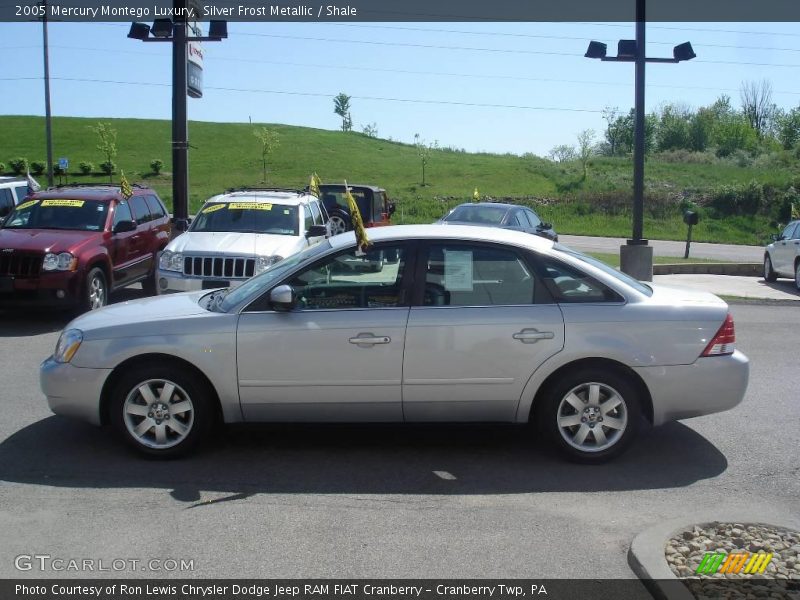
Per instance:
{"type": "Point", "coordinates": [486, 215]}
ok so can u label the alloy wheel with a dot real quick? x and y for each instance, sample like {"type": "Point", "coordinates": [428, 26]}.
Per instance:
{"type": "Point", "coordinates": [338, 225]}
{"type": "Point", "coordinates": [97, 293]}
{"type": "Point", "coordinates": [592, 417]}
{"type": "Point", "coordinates": [158, 413]}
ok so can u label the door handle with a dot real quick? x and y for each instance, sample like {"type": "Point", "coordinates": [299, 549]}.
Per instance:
{"type": "Point", "coordinates": [366, 340]}
{"type": "Point", "coordinates": [531, 336]}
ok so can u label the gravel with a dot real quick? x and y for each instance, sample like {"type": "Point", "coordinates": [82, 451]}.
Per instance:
{"type": "Point", "coordinates": [780, 580]}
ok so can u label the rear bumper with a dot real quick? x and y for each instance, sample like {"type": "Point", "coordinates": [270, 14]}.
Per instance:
{"type": "Point", "coordinates": [72, 391]}
{"type": "Point", "coordinates": [709, 385]}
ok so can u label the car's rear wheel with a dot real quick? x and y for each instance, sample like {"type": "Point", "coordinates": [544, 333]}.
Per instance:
{"type": "Point", "coordinates": [591, 415]}
{"type": "Point", "coordinates": [162, 410]}
{"type": "Point", "coordinates": [149, 283]}
{"type": "Point", "coordinates": [96, 290]}
{"type": "Point", "coordinates": [797, 275]}
{"type": "Point", "coordinates": [339, 223]}
{"type": "Point", "coordinates": [769, 272]}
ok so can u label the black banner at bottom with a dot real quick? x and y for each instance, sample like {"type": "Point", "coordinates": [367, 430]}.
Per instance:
{"type": "Point", "coordinates": [394, 589]}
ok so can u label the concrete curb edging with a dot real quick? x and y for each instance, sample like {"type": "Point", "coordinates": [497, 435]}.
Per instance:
{"type": "Point", "coordinates": [647, 559]}
{"type": "Point", "coordinates": [744, 269]}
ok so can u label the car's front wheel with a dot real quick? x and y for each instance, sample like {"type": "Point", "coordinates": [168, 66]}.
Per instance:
{"type": "Point", "coordinates": [95, 293]}
{"type": "Point", "coordinates": [591, 415]}
{"type": "Point", "coordinates": [769, 272]}
{"type": "Point", "coordinates": [162, 410]}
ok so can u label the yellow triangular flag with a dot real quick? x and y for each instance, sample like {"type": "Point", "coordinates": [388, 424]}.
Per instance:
{"type": "Point", "coordinates": [313, 186]}
{"type": "Point", "coordinates": [475, 195]}
{"type": "Point", "coordinates": [124, 186]}
{"type": "Point", "coordinates": [355, 217]}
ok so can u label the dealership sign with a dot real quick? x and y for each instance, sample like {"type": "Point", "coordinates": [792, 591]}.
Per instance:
{"type": "Point", "coordinates": [194, 65]}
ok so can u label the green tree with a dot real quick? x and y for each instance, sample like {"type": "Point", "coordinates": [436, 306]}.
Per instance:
{"type": "Point", "coordinates": [585, 148]}
{"type": "Point", "coordinates": [424, 151]}
{"type": "Point", "coordinates": [107, 144]}
{"type": "Point", "coordinates": [673, 131]}
{"type": "Point", "coordinates": [341, 106]}
{"type": "Point", "coordinates": [269, 140]}
{"type": "Point", "coordinates": [789, 129]}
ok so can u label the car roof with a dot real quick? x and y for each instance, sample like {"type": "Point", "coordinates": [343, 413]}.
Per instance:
{"type": "Point", "coordinates": [263, 197]}
{"type": "Point", "coordinates": [13, 180]}
{"type": "Point", "coordinates": [502, 205]}
{"type": "Point", "coordinates": [374, 188]}
{"type": "Point", "coordinates": [98, 192]}
{"type": "Point", "coordinates": [451, 232]}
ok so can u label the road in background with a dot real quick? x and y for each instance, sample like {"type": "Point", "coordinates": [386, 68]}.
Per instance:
{"type": "Point", "coordinates": [724, 252]}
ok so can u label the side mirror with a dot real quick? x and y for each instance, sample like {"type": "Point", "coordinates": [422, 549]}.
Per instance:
{"type": "Point", "coordinates": [283, 298]}
{"type": "Point", "coordinates": [774, 237]}
{"type": "Point", "coordinates": [391, 208]}
{"type": "Point", "coordinates": [124, 226]}
{"type": "Point", "coordinates": [544, 225]}
{"type": "Point", "coordinates": [317, 231]}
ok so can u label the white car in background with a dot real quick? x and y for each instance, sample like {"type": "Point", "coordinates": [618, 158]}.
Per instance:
{"type": "Point", "coordinates": [782, 256]}
{"type": "Point", "coordinates": [240, 234]}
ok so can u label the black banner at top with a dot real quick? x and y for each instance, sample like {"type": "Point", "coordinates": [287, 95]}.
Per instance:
{"type": "Point", "coordinates": [401, 10]}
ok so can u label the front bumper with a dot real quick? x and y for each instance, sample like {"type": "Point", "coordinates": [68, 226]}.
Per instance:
{"type": "Point", "coordinates": [709, 385]}
{"type": "Point", "coordinates": [170, 282]}
{"type": "Point", "coordinates": [55, 289]}
{"type": "Point", "coordinates": [73, 391]}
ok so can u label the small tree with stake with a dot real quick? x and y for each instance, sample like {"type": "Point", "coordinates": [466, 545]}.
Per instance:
{"type": "Point", "coordinates": [107, 137]}
{"type": "Point", "coordinates": [269, 141]}
{"type": "Point", "coordinates": [341, 106]}
{"type": "Point", "coordinates": [424, 152]}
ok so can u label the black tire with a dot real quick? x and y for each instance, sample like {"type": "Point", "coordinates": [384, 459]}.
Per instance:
{"type": "Point", "coordinates": [95, 291]}
{"type": "Point", "coordinates": [797, 275]}
{"type": "Point", "coordinates": [339, 220]}
{"type": "Point", "coordinates": [589, 415]}
{"type": "Point", "coordinates": [769, 273]}
{"type": "Point", "coordinates": [149, 283]}
{"type": "Point", "coordinates": [129, 409]}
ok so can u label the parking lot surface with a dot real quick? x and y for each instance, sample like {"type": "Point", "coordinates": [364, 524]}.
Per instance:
{"type": "Point", "coordinates": [382, 501]}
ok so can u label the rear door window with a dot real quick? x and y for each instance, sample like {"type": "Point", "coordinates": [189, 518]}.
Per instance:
{"type": "Point", "coordinates": [156, 208]}
{"type": "Point", "coordinates": [21, 191]}
{"type": "Point", "coordinates": [315, 213]}
{"type": "Point", "coordinates": [140, 210]}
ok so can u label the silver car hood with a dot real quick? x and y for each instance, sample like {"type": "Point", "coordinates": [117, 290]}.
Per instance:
{"type": "Point", "coordinates": [235, 244]}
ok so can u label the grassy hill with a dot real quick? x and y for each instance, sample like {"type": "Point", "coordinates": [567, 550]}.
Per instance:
{"type": "Point", "coordinates": [225, 155]}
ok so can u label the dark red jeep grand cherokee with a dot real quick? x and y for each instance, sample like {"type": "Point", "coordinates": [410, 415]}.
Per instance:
{"type": "Point", "coordinates": [70, 246]}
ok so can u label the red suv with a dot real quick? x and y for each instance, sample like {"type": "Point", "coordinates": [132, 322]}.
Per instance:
{"type": "Point", "coordinates": [70, 246]}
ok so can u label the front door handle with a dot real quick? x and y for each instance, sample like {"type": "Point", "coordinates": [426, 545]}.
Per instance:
{"type": "Point", "coordinates": [367, 340]}
{"type": "Point", "coordinates": [531, 336]}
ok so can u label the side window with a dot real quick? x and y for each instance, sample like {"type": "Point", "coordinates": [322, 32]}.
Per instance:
{"type": "Point", "coordinates": [156, 208]}
{"type": "Point", "coordinates": [464, 275]}
{"type": "Point", "coordinates": [6, 202]}
{"type": "Point", "coordinates": [350, 281]}
{"type": "Point", "coordinates": [570, 285]}
{"type": "Point", "coordinates": [308, 220]}
{"type": "Point", "coordinates": [140, 210]}
{"type": "Point", "coordinates": [535, 221]}
{"type": "Point", "coordinates": [122, 213]}
{"type": "Point", "coordinates": [516, 220]}
{"type": "Point", "coordinates": [315, 213]}
{"type": "Point", "coordinates": [796, 235]}
{"type": "Point", "coordinates": [21, 191]}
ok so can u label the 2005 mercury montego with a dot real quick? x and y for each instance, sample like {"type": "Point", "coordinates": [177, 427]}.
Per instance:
{"type": "Point", "coordinates": [469, 324]}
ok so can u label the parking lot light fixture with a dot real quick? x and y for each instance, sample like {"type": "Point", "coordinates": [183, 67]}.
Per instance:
{"type": "Point", "coordinates": [596, 50]}
{"type": "Point", "coordinates": [139, 31]}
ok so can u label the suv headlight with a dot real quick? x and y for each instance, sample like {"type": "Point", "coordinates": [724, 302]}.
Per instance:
{"type": "Point", "coordinates": [68, 344]}
{"type": "Point", "coordinates": [265, 262]}
{"type": "Point", "coordinates": [59, 262]}
{"type": "Point", "coordinates": [171, 261]}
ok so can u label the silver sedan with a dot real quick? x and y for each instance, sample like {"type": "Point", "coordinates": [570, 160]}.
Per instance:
{"type": "Point", "coordinates": [464, 324]}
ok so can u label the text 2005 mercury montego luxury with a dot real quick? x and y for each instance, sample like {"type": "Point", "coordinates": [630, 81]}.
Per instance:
{"type": "Point", "coordinates": [469, 324]}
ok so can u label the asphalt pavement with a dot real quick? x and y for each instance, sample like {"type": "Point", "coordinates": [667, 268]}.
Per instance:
{"type": "Point", "coordinates": [383, 501]}
{"type": "Point", "coordinates": [723, 252]}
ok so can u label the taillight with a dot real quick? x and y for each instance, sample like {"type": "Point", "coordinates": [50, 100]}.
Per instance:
{"type": "Point", "coordinates": [725, 340]}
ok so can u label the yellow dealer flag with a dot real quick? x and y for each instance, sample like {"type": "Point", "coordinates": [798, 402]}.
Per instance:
{"type": "Point", "coordinates": [313, 187]}
{"type": "Point", "coordinates": [355, 217]}
{"type": "Point", "coordinates": [124, 186]}
{"type": "Point", "coordinates": [475, 195]}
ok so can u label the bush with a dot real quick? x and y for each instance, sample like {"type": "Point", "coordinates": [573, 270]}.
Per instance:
{"type": "Point", "coordinates": [108, 167]}
{"type": "Point", "coordinates": [38, 167]}
{"type": "Point", "coordinates": [19, 165]}
{"type": "Point", "coordinates": [738, 200]}
{"type": "Point", "coordinates": [86, 168]}
{"type": "Point", "coordinates": [2, 167]}
{"type": "Point", "coordinates": [57, 170]}
{"type": "Point", "coordinates": [156, 164]}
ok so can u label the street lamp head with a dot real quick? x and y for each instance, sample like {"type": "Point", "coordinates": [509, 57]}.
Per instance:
{"type": "Point", "coordinates": [162, 28]}
{"type": "Point", "coordinates": [683, 52]}
{"type": "Point", "coordinates": [218, 29]}
{"type": "Point", "coordinates": [139, 31]}
{"type": "Point", "coordinates": [596, 50]}
{"type": "Point", "coordinates": [626, 49]}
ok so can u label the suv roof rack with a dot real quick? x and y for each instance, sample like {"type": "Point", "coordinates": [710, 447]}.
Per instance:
{"type": "Point", "coordinates": [265, 189]}
{"type": "Point", "coordinates": [97, 185]}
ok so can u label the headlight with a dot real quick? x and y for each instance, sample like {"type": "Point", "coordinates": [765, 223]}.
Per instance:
{"type": "Point", "coordinates": [68, 345]}
{"type": "Point", "coordinates": [171, 261]}
{"type": "Point", "coordinates": [265, 262]}
{"type": "Point", "coordinates": [59, 262]}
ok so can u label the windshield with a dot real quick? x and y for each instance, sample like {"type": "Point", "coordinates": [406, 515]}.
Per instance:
{"type": "Point", "coordinates": [248, 217]}
{"type": "Point", "coordinates": [274, 273]}
{"type": "Point", "coordinates": [619, 275]}
{"type": "Point", "coordinates": [77, 215]}
{"type": "Point", "coordinates": [489, 215]}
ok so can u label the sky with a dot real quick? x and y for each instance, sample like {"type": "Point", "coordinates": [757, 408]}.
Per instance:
{"type": "Point", "coordinates": [494, 87]}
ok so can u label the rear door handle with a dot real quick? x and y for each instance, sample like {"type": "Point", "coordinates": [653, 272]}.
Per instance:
{"type": "Point", "coordinates": [531, 336]}
{"type": "Point", "coordinates": [366, 340]}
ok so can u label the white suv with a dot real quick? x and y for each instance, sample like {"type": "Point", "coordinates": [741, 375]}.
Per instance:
{"type": "Point", "coordinates": [239, 234]}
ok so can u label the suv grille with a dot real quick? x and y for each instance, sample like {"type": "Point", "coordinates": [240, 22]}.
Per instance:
{"type": "Point", "coordinates": [213, 266]}
{"type": "Point", "coordinates": [19, 264]}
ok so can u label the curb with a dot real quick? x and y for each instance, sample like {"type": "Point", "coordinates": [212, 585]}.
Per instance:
{"type": "Point", "coordinates": [743, 269]}
{"type": "Point", "coordinates": [647, 559]}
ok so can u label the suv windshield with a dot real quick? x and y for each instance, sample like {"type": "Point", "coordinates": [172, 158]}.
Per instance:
{"type": "Point", "coordinates": [52, 213]}
{"type": "Point", "coordinates": [489, 215]}
{"type": "Point", "coordinates": [248, 217]}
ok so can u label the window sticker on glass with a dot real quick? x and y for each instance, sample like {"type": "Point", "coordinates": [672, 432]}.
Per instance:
{"type": "Point", "coordinates": [458, 270]}
{"type": "Point", "coordinates": [286, 211]}
{"type": "Point", "coordinates": [249, 206]}
{"type": "Point", "coordinates": [65, 203]}
{"type": "Point", "coordinates": [213, 207]}
{"type": "Point", "coordinates": [27, 204]}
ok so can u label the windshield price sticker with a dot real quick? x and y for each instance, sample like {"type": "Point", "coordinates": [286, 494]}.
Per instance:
{"type": "Point", "coordinates": [213, 207]}
{"type": "Point", "coordinates": [249, 206]}
{"type": "Point", "coordinates": [27, 204]}
{"type": "Point", "coordinates": [67, 203]}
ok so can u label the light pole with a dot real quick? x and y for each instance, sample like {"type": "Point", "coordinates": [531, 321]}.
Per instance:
{"type": "Point", "coordinates": [48, 124]}
{"type": "Point", "coordinates": [174, 31]}
{"type": "Point", "coordinates": [636, 256]}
